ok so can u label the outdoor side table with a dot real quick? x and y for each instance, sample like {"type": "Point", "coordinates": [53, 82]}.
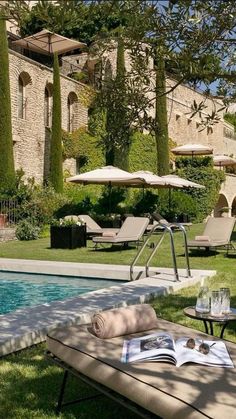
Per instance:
{"type": "Point", "coordinates": [209, 320]}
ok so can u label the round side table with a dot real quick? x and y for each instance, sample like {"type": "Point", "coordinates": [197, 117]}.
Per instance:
{"type": "Point", "coordinates": [209, 320]}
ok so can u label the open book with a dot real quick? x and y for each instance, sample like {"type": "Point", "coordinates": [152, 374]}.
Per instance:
{"type": "Point", "coordinates": [162, 347]}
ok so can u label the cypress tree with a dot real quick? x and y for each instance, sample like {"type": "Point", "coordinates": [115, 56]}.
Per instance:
{"type": "Point", "coordinates": [121, 154]}
{"type": "Point", "coordinates": [56, 172]}
{"type": "Point", "coordinates": [117, 125]}
{"type": "Point", "coordinates": [7, 173]}
{"type": "Point", "coordinates": [161, 124]}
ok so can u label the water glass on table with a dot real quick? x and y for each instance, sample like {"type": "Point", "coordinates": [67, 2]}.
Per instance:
{"type": "Point", "coordinates": [216, 307]}
{"type": "Point", "coordinates": [225, 300]}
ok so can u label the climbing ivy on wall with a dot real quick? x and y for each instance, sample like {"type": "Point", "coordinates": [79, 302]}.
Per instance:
{"type": "Point", "coordinates": [201, 170]}
{"type": "Point", "coordinates": [84, 147]}
{"type": "Point", "coordinates": [142, 154]}
{"type": "Point", "coordinates": [231, 118]}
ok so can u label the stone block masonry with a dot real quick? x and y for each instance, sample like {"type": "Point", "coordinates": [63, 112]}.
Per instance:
{"type": "Point", "coordinates": [30, 135]}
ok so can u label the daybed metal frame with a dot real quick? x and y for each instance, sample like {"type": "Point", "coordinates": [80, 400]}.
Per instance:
{"type": "Point", "coordinates": [102, 390]}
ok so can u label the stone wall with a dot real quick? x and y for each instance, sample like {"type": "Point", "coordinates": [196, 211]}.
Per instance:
{"type": "Point", "coordinates": [31, 137]}
{"type": "Point", "coordinates": [182, 128]}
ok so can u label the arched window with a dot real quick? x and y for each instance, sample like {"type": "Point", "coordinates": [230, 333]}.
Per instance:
{"type": "Point", "coordinates": [48, 106]}
{"type": "Point", "coordinates": [21, 98]}
{"type": "Point", "coordinates": [23, 81]}
{"type": "Point", "coordinates": [72, 112]}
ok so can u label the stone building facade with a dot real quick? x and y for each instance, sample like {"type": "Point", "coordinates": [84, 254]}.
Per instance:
{"type": "Point", "coordinates": [31, 86]}
{"type": "Point", "coordinates": [183, 129]}
{"type": "Point", "coordinates": [31, 125]}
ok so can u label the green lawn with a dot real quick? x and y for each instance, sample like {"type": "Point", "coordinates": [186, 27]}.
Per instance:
{"type": "Point", "coordinates": [30, 384]}
{"type": "Point", "coordinates": [40, 249]}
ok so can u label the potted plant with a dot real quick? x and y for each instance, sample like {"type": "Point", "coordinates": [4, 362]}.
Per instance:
{"type": "Point", "coordinates": [68, 234]}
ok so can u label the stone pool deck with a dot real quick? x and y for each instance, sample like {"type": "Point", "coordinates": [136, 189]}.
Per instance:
{"type": "Point", "coordinates": [29, 326]}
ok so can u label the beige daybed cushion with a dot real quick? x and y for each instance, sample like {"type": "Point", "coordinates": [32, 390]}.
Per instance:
{"type": "Point", "coordinates": [191, 391]}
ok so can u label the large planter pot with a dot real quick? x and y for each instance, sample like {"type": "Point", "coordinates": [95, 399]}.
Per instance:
{"type": "Point", "coordinates": [68, 237]}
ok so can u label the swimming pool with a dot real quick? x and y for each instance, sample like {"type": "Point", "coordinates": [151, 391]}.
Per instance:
{"type": "Point", "coordinates": [19, 290]}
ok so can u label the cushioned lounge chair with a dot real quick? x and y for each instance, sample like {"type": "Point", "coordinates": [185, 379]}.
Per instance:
{"type": "Point", "coordinates": [132, 230]}
{"type": "Point", "coordinates": [162, 221]}
{"type": "Point", "coordinates": [92, 228]}
{"type": "Point", "coordinates": [160, 389]}
{"type": "Point", "coordinates": [217, 233]}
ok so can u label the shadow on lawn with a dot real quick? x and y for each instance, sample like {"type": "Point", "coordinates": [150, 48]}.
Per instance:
{"type": "Point", "coordinates": [112, 249]}
{"type": "Point", "coordinates": [35, 385]}
{"type": "Point", "coordinates": [202, 253]}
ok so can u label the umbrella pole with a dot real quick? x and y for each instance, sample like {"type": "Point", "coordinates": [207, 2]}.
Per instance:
{"type": "Point", "coordinates": [109, 197]}
{"type": "Point", "coordinates": [169, 198]}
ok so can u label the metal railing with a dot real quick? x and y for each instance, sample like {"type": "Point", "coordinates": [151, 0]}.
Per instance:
{"type": "Point", "coordinates": [166, 229]}
{"type": "Point", "coordinates": [7, 213]}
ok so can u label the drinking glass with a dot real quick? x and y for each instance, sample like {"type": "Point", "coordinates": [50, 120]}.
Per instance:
{"type": "Point", "coordinates": [225, 300]}
{"type": "Point", "coordinates": [216, 303]}
{"type": "Point", "coordinates": [203, 302]}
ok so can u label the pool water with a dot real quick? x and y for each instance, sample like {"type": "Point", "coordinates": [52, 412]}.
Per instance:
{"type": "Point", "coordinates": [19, 290]}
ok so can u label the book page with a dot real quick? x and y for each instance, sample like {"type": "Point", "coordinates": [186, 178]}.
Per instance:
{"type": "Point", "coordinates": [157, 346]}
{"type": "Point", "coordinates": [217, 356]}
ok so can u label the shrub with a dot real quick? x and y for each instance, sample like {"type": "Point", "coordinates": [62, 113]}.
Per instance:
{"type": "Point", "coordinates": [43, 205]}
{"type": "Point", "coordinates": [26, 230]}
{"type": "Point", "coordinates": [201, 170]}
{"type": "Point", "coordinates": [173, 205]}
{"type": "Point", "coordinates": [145, 202]}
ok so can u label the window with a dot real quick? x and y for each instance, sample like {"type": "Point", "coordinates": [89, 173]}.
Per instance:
{"type": "Point", "coordinates": [71, 112]}
{"type": "Point", "coordinates": [24, 81]}
{"type": "Point", "coordinates": [47, 106]}
{"type": "Point", "coordinates": [21, 98]}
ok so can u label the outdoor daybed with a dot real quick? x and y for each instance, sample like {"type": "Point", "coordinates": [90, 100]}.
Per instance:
{"type": "Point", "coordinates": [155, 389]}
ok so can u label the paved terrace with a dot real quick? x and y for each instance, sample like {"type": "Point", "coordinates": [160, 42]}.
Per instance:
{"type": "Point", "coordinates": [29, 326]}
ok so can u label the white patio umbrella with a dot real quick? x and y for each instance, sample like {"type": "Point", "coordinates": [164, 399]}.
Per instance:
{"type": "Point", "coordinates": [192, 150]}
{"type": "Point", "coordinates": [181, 182]}
{"type": "Point", "coordinates": [223, 160]}
{"type": "Point", "coordinates": [107, 175]}
{"type": "Point", "coordinates": [150, 179]}
{"type": "Point", "coordinates": [48, 43]}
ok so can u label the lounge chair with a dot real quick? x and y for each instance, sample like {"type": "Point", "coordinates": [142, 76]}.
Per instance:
{"type": "Point", "coordinates": [92, 228]}
{"type": "Point", "coordinates": [162, 221]}
{"type": "Point", "coordinates": [217, 233]}
{"type": "Point", "coordinates": [154, 389]}
{"type": "Point", "coordinates": [132, 230]}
